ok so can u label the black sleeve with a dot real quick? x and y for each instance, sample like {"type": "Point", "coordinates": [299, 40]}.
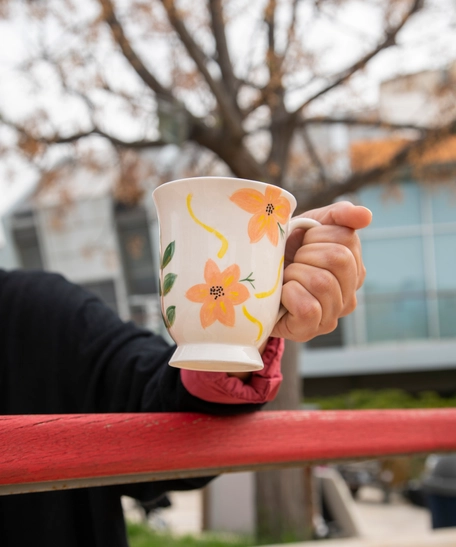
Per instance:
{"type": "Point", "coordinates": [63, 351]}
{"type": "Point", "coordinates": [126, 369]}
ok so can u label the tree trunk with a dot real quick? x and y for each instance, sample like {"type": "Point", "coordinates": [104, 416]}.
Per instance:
{"type": "Point", "coordinates": [283, 513]}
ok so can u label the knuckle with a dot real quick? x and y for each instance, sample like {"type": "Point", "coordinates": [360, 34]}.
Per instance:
{"type": "Point", "coordinates": [321, 282]}
{"type": "Point", "coordinates": [350, 305]}
{"type": "Point", "coordinates": [331, 326]}
{"type": "Point", "coordinates": [308, 309]}
{"type": "Point", "coordinates": [340, 257]}
{"type": "Point", "coordinates": [291, 272]}
{"type": "Point", "coordinates": [326, 327]}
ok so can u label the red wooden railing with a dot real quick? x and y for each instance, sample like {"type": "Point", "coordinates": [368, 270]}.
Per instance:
{"type": "Point", "coordinates": [68, 451]}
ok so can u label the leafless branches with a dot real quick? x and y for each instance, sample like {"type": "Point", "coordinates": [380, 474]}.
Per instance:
{"type": "Point", "coordinates": [388, 40]}
{"type": "Point", "coordinates": [222, 111]}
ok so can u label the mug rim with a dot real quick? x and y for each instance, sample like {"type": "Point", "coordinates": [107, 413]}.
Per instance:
{"type": "Point", "coordinates": [288, 194]}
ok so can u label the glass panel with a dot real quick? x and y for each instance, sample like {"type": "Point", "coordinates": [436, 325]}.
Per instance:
{"type": "Point", "coordinates": [447, 315]}
{"type": "Point", "coordinates": [445, 261]}
{"type": "Point", "coordinates": [445, 264]}
{"type": "Point", "coordinates": [397, 205]}
{"type": "Point", "coordinates": [135, 244]}
{"type": "Point", "coordinates": [396, 318]}
{"type": "Point", "coordinates": [443, 201]}
{"type": "Point", "coordinates": [137, 254]}
{"type": "Point", "coordinates": [393, 265]}
{"type": "Point", "coordinates": [395, 289]}
{"type": "Point", "coordinates": [28, 248]}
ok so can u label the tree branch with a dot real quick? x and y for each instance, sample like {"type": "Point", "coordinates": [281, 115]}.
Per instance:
{"type": "Point", "coordinates": [130, 54]}
{"type": "Point", "coordinates": [223, 54]}
{"type": "Point", "coordinates": [273, 60]}
{"type": "Point", "coordinates": [291, 28]}
{"type": "Point", "coordinates": [230, 115]}
{"type": "Point", "coordinates": [314, 157]}
{"type": "Point", "coordinates": [405, 157]}
{"type": "Point", "coordinates": [137, 145]}
{"type": "Point", "coordinates": [352, 120]}
{"type": "Point", "coordinates": [60, 139]}
{"type": "Point", "coordinates": [388, 41]}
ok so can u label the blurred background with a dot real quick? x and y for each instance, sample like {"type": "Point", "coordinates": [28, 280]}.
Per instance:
{"type": "Point", "coordinates": [103, 100]}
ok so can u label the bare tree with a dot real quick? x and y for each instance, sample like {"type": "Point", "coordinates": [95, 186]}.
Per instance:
{"type": "Point", "coordinates": [240, 82]}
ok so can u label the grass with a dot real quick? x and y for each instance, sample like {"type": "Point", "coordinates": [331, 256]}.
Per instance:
{"type": "Point", "coordinates": [140, 535]}
{"type": "Point", "coordinates": [383, 399]}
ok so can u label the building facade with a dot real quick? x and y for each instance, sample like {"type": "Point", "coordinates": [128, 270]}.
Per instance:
{"type": "Point", "coordinates": [403, 332]}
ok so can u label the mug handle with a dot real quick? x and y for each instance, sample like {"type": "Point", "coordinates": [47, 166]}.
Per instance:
{"type": "Point", "coordinates": [298, 222]}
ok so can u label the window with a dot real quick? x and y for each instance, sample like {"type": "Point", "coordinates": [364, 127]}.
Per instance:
{"type": "Point", "coordinates": [26, 241]}
{"type": "Point", "coordinates": [410, 256]}
{"type": "Point", "coordinates": [136, 250]}
{"type": "Point", "coordinates": [445, 266]}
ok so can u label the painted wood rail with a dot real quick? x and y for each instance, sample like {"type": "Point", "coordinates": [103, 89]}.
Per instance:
{"type": "Point", "coordinates": [50, 452]}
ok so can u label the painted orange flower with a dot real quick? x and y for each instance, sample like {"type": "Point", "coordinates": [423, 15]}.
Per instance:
{"type": "Point", "coordinates": [269, 212]}
{"type": "Point", "coordinates": [221, 292]}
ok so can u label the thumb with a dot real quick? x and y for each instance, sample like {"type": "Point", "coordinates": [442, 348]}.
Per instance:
{"type": "Point", "coordinates": [342, 213]}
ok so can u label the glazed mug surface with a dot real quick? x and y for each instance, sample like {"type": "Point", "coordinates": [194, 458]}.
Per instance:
{"type": "Point", "coordinates": [222, 244]}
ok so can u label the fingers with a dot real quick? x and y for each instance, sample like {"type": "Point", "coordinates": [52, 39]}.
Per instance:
{"type": "Point", "coordinates": [332, 279]}
{"type": "Point", "coordinates": [335, 235]}
{"type": "Point", "coordinates": [323, 270]}
{"type": "Point", "coordinates": [319, 288]}
{"type": "Point", "coordinates": [342, 213]}
{"type": "Point", "coordinates": [327, 234]}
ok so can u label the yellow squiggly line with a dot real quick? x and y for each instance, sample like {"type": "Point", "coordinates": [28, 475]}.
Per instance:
{"type": "Point", "coordinates": [254, 320]}
{"type": "Point", "coordinates": [223, 239]}
{"type": "Point", "coordinates": [273, 290]}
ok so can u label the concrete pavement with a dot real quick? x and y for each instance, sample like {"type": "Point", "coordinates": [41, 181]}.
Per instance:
{"type": "Point", "coordinates": [396, 524]}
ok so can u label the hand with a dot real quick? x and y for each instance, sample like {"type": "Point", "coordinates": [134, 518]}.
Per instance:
{"type": "Point", "coordinates": [323, 271]}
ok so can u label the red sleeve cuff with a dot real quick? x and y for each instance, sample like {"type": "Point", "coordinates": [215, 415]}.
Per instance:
{"type": "Point", "coordinates": [218, 387]}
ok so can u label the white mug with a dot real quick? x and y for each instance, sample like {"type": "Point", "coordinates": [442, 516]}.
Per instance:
{"type": "Point", "coordinates": [222, 244]}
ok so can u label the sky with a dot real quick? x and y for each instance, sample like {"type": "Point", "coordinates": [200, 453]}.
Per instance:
{"type": "Point", "coordinates": [430, 44]}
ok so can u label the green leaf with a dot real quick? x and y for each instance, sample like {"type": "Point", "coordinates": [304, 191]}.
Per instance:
{"type": "Point", "coordinates": [249, 279]}
{"type": "Point", "coordinates": [168, 282]}
{"type": "Point", "coordinates": [159, 288]}
{"type": "Point", "coordinates": [171, 315]}
{"type": "Point", "coordinates": [168, 255]}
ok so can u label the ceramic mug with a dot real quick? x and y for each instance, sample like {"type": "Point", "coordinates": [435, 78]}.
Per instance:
{"type": "Point", "coordinates": [222, 244]}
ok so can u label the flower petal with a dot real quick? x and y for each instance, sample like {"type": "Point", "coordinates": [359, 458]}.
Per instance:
{"type": "Point", "coordinates": [212, 273]}
{"type": "Point", "coordinates": [250, 200]}
{"type": "Point", "coordinates": [237, 293]}
{"type": "Point", "coordinates": [258, 225]}
{"type": "Point", "coordinates": [224, 312]}
{"type": "Point", "coordinates": [272, 231]}
{"type": "Point", "coordinates": [208, 313]}
{"type": "Point", "coordinates": [230, 275]}
{"type": "Point", "coordinates": [272, 194]}
{"type": "Point", "coordinates": [282, 210]}
{"type": "Point", "coordinates": [198, 293]}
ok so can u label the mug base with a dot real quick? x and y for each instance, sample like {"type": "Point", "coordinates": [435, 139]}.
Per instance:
{"type": "Point", "coordinates": [217, 358]}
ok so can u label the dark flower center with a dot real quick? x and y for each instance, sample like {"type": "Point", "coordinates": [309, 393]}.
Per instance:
{"type": "Point", "coordinates": [269, 209]}
{"type": "Point", "coordinates": [217, 291]}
